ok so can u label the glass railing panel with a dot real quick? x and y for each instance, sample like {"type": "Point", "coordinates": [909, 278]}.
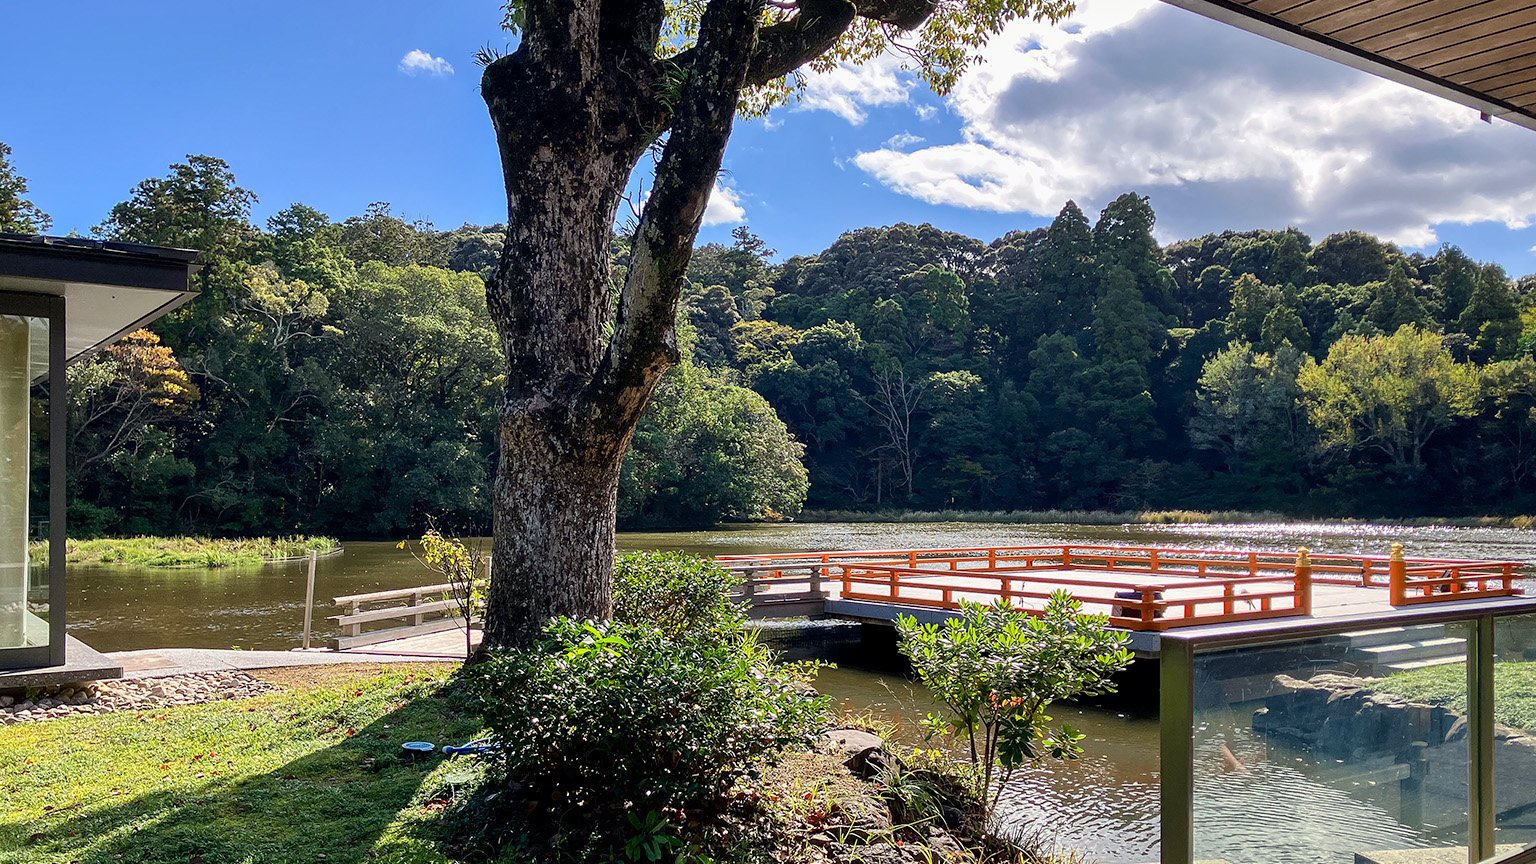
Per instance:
{"type": "Point", "coordinates": [1514, 731]}
{"type": "Point", "coordinates": [1348, 749]}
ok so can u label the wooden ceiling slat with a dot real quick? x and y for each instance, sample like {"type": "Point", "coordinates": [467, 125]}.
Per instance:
{"type": "Point", "coordinates": [1274, 7]}
{"type": "Point", "coordinates": [1300, 9]}
{"type": "Point", "coordinates": [1515, 53]}
{"type": "Point", "coordinates": [1513, 92]}
{"type": "Point", "coordinates": [1496, 82]}
{"type": "Point", "coordinates": [1417, 22]}
{"type": "Point", "coordinates": [1383, 14]}
{"type": "Point", "coordinates": [1480, 53]}
{"type": "Point", "coordinates": [1313, 10]}
{"type": "Point", "coordinates": [1475, 46]}
{"type": "Point", "coordinates": [1487, 33]}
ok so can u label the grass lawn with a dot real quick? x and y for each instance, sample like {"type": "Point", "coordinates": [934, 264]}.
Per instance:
{"type": "Point", "coordinates": [312, 773]}
{"type": "Point", "coordinates": [187, 551]}
{"type": "Point", "coordinates": [1514, 689]}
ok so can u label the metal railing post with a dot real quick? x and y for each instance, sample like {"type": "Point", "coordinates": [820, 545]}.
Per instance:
{"type": "Point", "coordinates": [1176, 722]}
{"type": "Point", "coordinates": [1480, 708]}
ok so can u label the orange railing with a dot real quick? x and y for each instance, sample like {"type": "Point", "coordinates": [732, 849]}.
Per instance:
{"type": "Point", "coordinates": [1141, 604]}
{"type": "Point", "coordinates": [1144, 587]}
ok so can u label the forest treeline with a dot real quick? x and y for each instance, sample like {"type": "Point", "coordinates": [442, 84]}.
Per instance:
{"type": "Point", "coordinates": [344, 376]}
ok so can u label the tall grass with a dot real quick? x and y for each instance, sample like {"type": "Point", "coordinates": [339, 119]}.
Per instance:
{"type": "Point", "coordinates": [204, 552]}
{"type": "Point", "coordinates": [1046, 517]}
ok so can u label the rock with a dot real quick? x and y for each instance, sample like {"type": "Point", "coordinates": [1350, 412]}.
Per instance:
{"type": "Point", "coordinates": [870, 763]}
{"type": "Point", "coordinates": [848, 742]}
{"type": "Point", "coordinates": [945, 844]}
{"type": "Point", "coordinates": [1457, 731]}
{"type": "Point", "coordinates": [7, 701]}
{"type": "Point", "coordinates": [877, 853]}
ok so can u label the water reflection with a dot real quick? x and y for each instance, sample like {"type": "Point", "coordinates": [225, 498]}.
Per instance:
{"type": "Point", "coordinates": [121, 608]}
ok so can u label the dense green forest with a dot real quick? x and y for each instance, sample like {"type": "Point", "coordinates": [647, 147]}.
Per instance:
{"type": "Point", "coordinates": [343, 376]}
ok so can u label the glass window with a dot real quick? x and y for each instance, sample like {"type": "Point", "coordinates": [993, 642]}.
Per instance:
{"type": "Point", "coordinates": [1332, 749]}
{"type": "Point", "coordinates": [1514, 731]}
{"type": "Point", "coordinates": [23, 482]}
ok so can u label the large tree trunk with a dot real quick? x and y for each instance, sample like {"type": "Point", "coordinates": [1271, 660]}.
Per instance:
{"type": "Point", "coordinates": [575, 107]}
{"type": "Point", "coordinates": [554, 511]}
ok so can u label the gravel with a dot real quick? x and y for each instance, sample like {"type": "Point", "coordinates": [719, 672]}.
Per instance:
{"type": "Point", "coordinates": [129, 695]}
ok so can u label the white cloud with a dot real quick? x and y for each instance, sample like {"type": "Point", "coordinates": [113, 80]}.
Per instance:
{"type": "Point", "coordinates": [724, 206]}
{"type": "Point", "coordinates": [925, 112]}
{"type": "Point", "coordinates": [1220, 127]}
{"type": "Point", "coordinates": [419, 62]}
{"type": "Point", "coordinates": [851, 88]}
{"type": "Point", "coordinates": [903, 139]}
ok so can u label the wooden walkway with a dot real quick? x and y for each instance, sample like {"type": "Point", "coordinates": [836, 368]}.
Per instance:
{"type": "Point", "coordinates": [1144, 590]}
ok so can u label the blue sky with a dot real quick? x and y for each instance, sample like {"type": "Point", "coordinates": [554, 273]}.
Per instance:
{"type": "Point", "coordinates": [310, 102]}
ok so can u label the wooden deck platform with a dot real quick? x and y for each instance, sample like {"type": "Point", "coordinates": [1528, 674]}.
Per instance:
{"type": "Point", "coordinates": [1146, 591]}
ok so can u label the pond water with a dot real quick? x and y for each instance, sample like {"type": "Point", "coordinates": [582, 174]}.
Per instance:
{"type": "Point", "coordinates": [123, 608]}
{"type": "Point", "coordinates": [1104, 805]}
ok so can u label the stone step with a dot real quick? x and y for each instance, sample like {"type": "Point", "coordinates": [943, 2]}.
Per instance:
{"type": "Point", "coordinates": [1403, 652]}
{"type": "Point", "coordinates": [1398, 652]}
{"type": "Point", "coordinates": [1410, 665]}
{"type": "Point", "coordinates": [1393, 635]}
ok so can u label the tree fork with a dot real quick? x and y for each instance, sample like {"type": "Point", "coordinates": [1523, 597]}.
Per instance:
{"type": "Point", "coordinates": [574, 109]}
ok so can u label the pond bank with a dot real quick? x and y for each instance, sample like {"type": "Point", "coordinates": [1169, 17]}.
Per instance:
{"type": "Point", "coordinates": [1143, 517]}
{"type": "Point", "coordinates": [204, 552]}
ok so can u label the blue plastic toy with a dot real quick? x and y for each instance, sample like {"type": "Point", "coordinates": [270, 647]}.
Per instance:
{"type": "Point", "coordinates": [473, 748]}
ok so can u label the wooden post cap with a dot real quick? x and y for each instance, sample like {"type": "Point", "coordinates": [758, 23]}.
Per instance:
{"type": "Point", "coordinates": [1303, 557]}
{"type": "Point", "coordinates": [1397, 551]}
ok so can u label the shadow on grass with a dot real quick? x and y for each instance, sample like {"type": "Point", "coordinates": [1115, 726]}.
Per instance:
{"type": "Point", "coordinates": [333, 805]}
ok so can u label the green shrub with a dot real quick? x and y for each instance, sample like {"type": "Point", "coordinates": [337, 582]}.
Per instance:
{"type": "Point", "coordinates": [676, 592]}
{"type": "Point", "coordinates": [997, 671]}
{"type": "Point", "coordinates": [604, 720]}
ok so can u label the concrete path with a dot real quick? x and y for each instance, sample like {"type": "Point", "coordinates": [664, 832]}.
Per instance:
{"type": "Point", "coordinates": [160, 662]}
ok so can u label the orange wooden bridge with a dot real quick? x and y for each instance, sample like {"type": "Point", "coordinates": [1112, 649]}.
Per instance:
{"type": "Point", "coordinates": [1142, 589]}
{"type": "Point", "coordinates": [1139, 588]}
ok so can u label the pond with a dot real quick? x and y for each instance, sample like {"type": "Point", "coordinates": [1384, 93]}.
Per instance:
{"type": "Point", "coordinates": [1105, 805]}
{"type": "Point", "coordinates": [124, 608]}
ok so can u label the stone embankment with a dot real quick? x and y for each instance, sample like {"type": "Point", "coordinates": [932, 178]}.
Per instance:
{"type": "Point", "coordinates": [142, 694]}
{"type": "Point", "coordinates": [1346, 717]}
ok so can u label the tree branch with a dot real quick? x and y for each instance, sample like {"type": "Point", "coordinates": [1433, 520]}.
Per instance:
{"type": "Point", "coordinates": [784, 47]}
{"type": "Point", "coordinates": [644, 338]}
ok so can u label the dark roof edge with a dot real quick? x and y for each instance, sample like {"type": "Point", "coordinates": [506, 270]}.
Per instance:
{"type": "Point", "coordinates": [1241, 16]}
{"type": "Point", "coordinates": [90, 247]}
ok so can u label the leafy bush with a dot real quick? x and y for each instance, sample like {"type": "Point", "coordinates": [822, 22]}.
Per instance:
{"type": "Point", "coordinates": [603, 720]}
{"type": "Point", "coordinates": [997, 671]}
{"type": "Point", "coordinates": [676, 592]}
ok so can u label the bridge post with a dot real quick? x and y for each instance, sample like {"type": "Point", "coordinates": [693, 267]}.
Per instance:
{"type": "Point", "coordinates": [1397, 574]}
{"type": "Point", "coordinates": [1303, 599]}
